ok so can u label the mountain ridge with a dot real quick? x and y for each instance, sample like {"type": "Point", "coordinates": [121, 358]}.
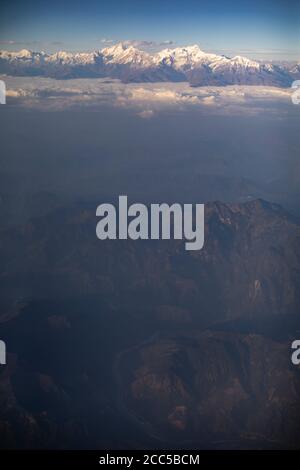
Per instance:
{"type": "Point", "coordinates": [130, 64]}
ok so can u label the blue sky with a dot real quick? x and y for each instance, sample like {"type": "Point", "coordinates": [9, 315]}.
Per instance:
{"type": "Point", "coordinates": [262, 29]}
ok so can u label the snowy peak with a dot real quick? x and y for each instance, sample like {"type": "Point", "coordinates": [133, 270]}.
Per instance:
{"type": "Point", "coordinates": [123, 53]}
{"type": "Point", "coordinates": [115, 51]}
{"type": "Point", "coordinates": [182, 57]}
{"type": "Point", "coordinates": [244, 62]}
{"type": "Point", "coordinates": [179, 58]}
{"type": "Point", "coordinates": [69, 58]}
{"type": "Point", "coordinates": [22, 54]}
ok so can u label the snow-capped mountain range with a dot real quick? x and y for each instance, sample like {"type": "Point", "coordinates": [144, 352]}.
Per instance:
{"type": "Point", "coordinates": [130, 64]}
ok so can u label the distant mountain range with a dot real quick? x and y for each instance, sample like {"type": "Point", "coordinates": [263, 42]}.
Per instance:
{"type": "Point", "coordinates": [130, 64]}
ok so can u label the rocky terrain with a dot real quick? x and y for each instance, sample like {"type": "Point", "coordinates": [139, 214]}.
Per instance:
{"type": "Point", "coordinates": [221, 388]}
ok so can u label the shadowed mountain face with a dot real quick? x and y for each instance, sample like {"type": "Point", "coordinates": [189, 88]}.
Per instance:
{"type": "Point", "coordinates": [141, 343]}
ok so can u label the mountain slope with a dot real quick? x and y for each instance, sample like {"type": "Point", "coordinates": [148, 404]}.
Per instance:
{"type": "Point", "coordinates": [201, 388]}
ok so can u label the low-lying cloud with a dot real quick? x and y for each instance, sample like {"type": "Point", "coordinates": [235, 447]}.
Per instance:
{"type": "Point", "coordinates": [145, 99]}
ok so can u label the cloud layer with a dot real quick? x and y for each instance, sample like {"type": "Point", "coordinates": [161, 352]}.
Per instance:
{"type": "Point", "coordinates": [145, 99]}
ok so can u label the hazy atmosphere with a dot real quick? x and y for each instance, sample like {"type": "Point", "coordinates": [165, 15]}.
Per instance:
{"type": "Point", "coordinates": [139, 344]}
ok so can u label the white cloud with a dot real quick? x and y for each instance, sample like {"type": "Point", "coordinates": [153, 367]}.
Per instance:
{"type": "Point", "coordinates": [149, 46]}
{"type": "Point", "coordinates": [16, 93]}
{"type": "Point", "coordinates": [107, 41]}
{"type": "Point", "coordinates": [146, 114]}
{"type": "Point", "coordinates": [209, 100]}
